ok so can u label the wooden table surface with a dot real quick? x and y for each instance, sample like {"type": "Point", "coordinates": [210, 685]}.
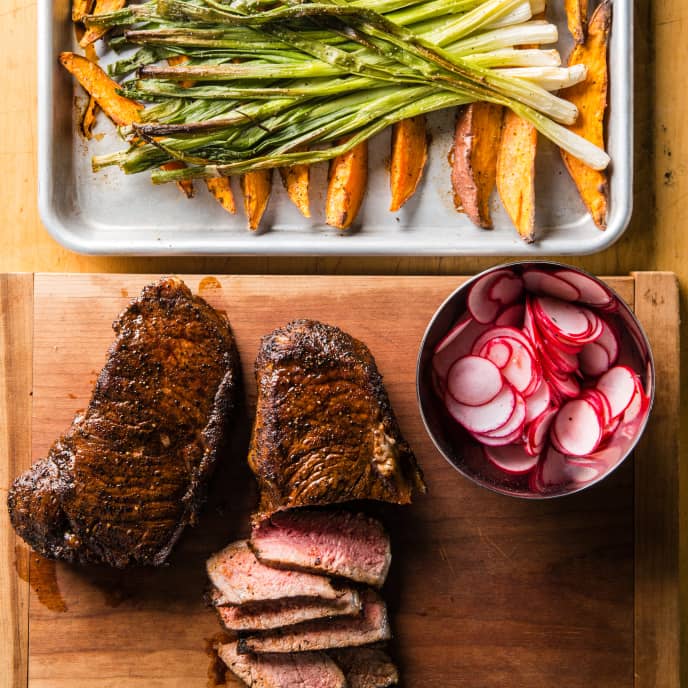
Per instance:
{"type": "Point", "coordinates": [657, 238]}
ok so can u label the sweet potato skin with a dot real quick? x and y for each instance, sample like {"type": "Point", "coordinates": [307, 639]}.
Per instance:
{"type": "Point", "coordinates": [347, 186]}
{"type": "Point", "coordinates": [474, 167]}
{"type": "Point", "coordinates": [93, 33]}
{"type": "Point", "coordinates": [409, 155]}
{"type": "Point", "coordinates": [576, 18]}
{"type": "Point", "coordinates": [590, 96]}
{"type": "Point", "coordinates": [256, 188]}
{"type": "Point", "coordinates": [122, 111]}
{"type": "Point", "coordinates": [221, 189]}
{"type": "Point", "coordinates": [516, 173]}
{"type": "Point", "coordinates": [296, 180]}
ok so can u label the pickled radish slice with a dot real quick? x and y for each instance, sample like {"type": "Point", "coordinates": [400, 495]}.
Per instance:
{"type": "Point", "coordinates": [565, 319]}
{"type": "Point", "coordinates": [618, 385]}
{"type": "Point", "coordinates": [577, 428]}
{"type": "Point", "coordinates": [498, 351]}
{"type": "Point", "coordinates": [506, 332]}
{"type": "Point", "coordinates": [540, 282]}
{"type": "Point", "coordinates": [474, 381]}
{"type": "Point", "coordinates": [455, 331]}
{"type": "Point", "coordinates": [484, 418]}
{"type": "Point", "coordinates": [511, 458]}
{"type": "Point", "coordinates": [506, 289]}
{"type": "Point", "coordinates": [514, 424]}
{"type": "Point", "coordinates": [522, 369]}
{"type": "Point", "coordinates": [556, 471]}
{"type": "Point", "coordinates": [481, 306]}
{"type": "Point", "coordinates": [609, 341]}
{"type": "Point", "coordinates": [594, 359]}
{"type": "Point", "coordinates": [637, 405]}
{"type": "Point", "coordinates": [511, 316]}
{"type": "Point", "coordinates": [488, 441]}
{"type": "Point", "coordinates": [589, 291]}
{"type": "Point", "coordinates": [538, 402]}
{"type": "Point", "coordinates": [460, 345]}
{"type": "Point", "coordinates": [536, 437]}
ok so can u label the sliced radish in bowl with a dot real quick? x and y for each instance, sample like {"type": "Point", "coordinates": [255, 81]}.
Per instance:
{"type": "Point", "coordinates": [487, 417]}
{"type": "Point", "coordinates": [474, 381]}
{"type": "Point", "coordinates": [577, 428]}
{"type": "Point", "coordinates": [539, 379]}
{"type": "Point", "coordinates": [511, 458]}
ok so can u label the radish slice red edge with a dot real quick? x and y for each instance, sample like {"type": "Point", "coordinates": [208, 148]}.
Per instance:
{"type": "Point", "coordinates": [511, 459]}
{"type": "Point", "coordinates": [455, 331]}
{"type": "Point", "coordinates": [487, 417]}
{"type": "Point", "coordinates": [618, 385]}
{"type": "Point", "coordinates": [589, 290]}
{"type": "Point", "coordinates": [540, 282]}
{"type": "Point", "coordinates": [506, 289]}
{"type": "Point", "coordinates": [481, 306]}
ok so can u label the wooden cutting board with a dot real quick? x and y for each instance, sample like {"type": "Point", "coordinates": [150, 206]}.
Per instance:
{"type": "Point", "coordinates": [484, 590]}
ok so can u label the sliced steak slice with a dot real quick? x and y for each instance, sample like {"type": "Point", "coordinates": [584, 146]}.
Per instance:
{"type": "Point", "coordinates": [324, 431]}
{"type": "Point", "coordinates": [371, 626]}
{"type": "Point", "coordinates": [261, 616]}
{"type": "Point", "coordinates": [336, 543]}
{"type": "Point", "coordinates": [240, 578]}
{"type": "Point", "coordinates": [130, 473]}
{"type": "Point", "coordinates": [302, 670]}
{"type": "Point", "coordinates": [366, 667]}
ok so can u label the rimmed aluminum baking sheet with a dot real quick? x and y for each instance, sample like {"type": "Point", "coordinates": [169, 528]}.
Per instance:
{"type": "Point", "coordinates": [110, 213]}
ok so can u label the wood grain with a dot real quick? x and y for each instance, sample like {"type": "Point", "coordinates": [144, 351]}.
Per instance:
{"type": "Point", "coordinates": [657, 621]}
{"type": "Point", "coordinates": [511, 592]}
{"type": "Point", "coordinates": [16, 322]}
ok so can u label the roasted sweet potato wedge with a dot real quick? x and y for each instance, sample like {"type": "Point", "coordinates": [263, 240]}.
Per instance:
{"type": "Point", "coordinates": [88, 118]}
{"type": "Point", "coordinates": [590, 96]}
{"type": "Point", "coordinates": [256, 187]}
{"type": "Point", "coordinates": [221, 189]}
{"type": "Point", "coordinates": [186, 185]}
{"type": "Point", "coordinates": [577, 18]}
{"type": "Point", "coordinates": [122, 111]}
{"type": "Point", "coordinates": [409, 155]}
{"type": "Point", "coordinates": [516, 173]}
{"type": "Point", "coordinates": [474, 168]}
{"type": "Point", "coordinates": [80, 8]}
{"type": "Point", "coordinates": [296, 180]}
{"type": "Point", "coordinates": [93, 33]}
{"type": "Point", "coordinates": [347, 186]}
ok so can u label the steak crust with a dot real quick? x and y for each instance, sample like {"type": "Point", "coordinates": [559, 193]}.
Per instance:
{"type": "Point", "coordinates": [129, 474]}
{"type": "Point", "coordinates": [324, 430]}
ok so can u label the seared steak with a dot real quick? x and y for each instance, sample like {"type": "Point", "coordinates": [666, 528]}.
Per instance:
{"type": "Point", "coordinates": [366, 667]}
{"type": "Point", "coordinates": [371, 626]}
{"type": "Point", "coordinates": [324, 430]}
{"type": "Point", "coordinates": [337, 543]}
{"type": "Point", "coordinates": [302, 670]}
{"type": "Point", "coordinates": [129, 474]}
{"type": "Point", "coordinates": [262, 616]}
{"type": "Point", "coordinates": [240, 578]}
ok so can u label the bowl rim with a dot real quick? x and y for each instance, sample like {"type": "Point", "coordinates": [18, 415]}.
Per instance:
{"type": "Point", "coordinates": [424, 343]}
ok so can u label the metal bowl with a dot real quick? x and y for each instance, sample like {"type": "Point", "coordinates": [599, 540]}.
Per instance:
{"type": "Point", "coordinates": [462, 451]}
